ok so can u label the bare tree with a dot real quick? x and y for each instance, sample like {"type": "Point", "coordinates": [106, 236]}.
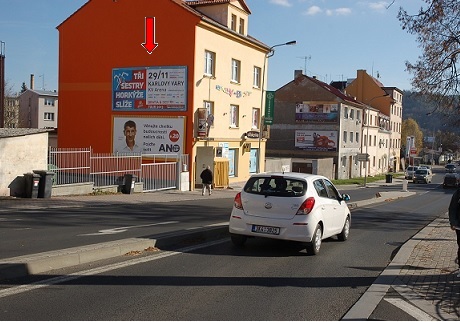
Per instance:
{"type": "Point", "coordinates": [437, 26]}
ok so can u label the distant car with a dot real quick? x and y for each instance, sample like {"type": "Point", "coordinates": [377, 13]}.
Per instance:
{"type": "Point", "coordinates": [409, 173]}
{"type": "Point", "coordinates": [451, 180]}
{"type": "Point", "coordinates": [422, 175]}
{"type": "Point", "coordinates": [450, 168]}
{"type": "Point", "coordinates": [290, 206]}
{"type": "Point", "coordinates": [423, 166]}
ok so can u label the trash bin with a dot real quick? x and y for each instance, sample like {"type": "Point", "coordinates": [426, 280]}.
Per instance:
{"type": "Point", "coordinates": [32, 181]}
{"type": "Point", "coordinates": [129, 181]}
{"type": "Point", "coordinates": [389, 178]}
{"type": "Point", "coordinates": [45, 185]}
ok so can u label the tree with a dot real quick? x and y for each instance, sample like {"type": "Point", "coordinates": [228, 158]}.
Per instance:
{"type": "Point", "coordinates": [410, 127]}
{"type": "Point", "coordinates": [23, 88]}
{"type": "Point", "coordinates": [437, 26]}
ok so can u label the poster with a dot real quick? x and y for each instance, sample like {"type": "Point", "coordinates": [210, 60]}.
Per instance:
{"type": "Point", "coordinates": [149, 88]}
{"type": "Point", "coordinates": [316, 113]}
{"type": "Point", "coordinates": [316, 140]}
{"type": "Point", "coordinates": [148, 135]}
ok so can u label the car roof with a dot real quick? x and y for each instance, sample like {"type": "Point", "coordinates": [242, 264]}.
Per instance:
{"type": "Point", "coordinates": [291, 175]}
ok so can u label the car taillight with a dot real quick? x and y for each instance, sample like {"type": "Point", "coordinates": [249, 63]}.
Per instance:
{"type": "Point", "coordinates": [306, 206]}
{"type": "Point", "coordinates": [237, 202]}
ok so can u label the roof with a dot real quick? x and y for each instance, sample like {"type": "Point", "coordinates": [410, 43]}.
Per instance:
{"type": "Point", "coordinates": [333, 90]}
{"type": "Point", "coordinates": [8, 133]}
{"type": "Point", "coordinates": [41, 92]}
{"type": "Point", "coordinates": [196, 3]}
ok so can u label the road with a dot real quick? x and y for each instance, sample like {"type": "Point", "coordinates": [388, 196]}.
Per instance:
{"type": "Point", "coordinates": [266, 280]}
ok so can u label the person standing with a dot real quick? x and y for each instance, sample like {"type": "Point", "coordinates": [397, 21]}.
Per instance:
{"type": "Point", "coordinates": [206, 179]}
{"type": "Point", "coordinates": [454, 220]}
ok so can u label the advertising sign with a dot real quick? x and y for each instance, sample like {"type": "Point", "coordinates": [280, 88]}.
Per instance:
{"type": "Point", "coordinates": [316, 140]}
{"type": "Point", "coordinates": [149, 89]}
{"type": "Point", "coordinates": [149, 135]}
{"type": "Point", "coordinates": [316, 113]}
{"type": "Point", "coordinates": [201, 130]}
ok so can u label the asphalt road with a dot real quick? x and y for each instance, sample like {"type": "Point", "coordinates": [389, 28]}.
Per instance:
{"type": "Point", "coordinates": [266, 280]}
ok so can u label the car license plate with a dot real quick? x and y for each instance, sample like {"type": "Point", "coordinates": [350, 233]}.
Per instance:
{"type": "Point", "coordinates": [266, 230]}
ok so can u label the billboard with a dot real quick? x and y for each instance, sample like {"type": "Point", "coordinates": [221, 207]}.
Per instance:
{"type": "Point", "coordinates": [149, 89]}
{"type": "Point", "coordinates": [148, 135]}
{"type": "Point", "coordinates": [316, 140]}
{"type": "Point", "coordinates": [316, 113]}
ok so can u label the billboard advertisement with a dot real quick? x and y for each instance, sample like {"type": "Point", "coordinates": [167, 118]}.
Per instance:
{"type": "Point", "coordinates": [148, 135]}
{"type": "Point", "coordinates": [316, 113]}
{"type": "Point", "coordinates": [316, 140]}
{"type": "Point", "coordinates": [149, 89]}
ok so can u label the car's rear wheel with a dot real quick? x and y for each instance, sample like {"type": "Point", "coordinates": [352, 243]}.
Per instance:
{"type": "Point", "coordinates": [238, 240]}
{"type": "Point", "coordinates": [343, 236]}
{"type": "Point", "coordinates": [315, 245]}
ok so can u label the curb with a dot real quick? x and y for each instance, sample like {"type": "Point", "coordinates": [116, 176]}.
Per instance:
{"type": "Point", "coordinates": [22, 266]}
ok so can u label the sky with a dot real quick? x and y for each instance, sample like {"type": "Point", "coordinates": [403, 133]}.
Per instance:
{"type": "Point", "coordinates": [335, 38]}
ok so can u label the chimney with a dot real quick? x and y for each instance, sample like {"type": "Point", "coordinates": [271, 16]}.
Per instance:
{"type": "Point", "coordinates": [31, 81]}
{"type": "Point", "coordinates": [297, 73]}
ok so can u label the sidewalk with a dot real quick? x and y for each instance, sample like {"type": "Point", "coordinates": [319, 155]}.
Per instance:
{"type": "Point", "coordinates": [419, 284]}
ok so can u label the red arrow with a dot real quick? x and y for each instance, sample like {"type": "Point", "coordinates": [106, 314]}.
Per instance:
{"type": "Point", "coordinates": [150, 44]}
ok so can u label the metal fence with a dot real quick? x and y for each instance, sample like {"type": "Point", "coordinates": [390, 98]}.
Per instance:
{"type": "Point", "coordinates": [156, 171]}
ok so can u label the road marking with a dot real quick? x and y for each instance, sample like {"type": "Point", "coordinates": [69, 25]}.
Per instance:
{"type": "Point", "coordinates": [410, 309]}
{"type": "Point", "coordinates": [99, 270]}
{"type": "Point", "coordinates": [123, 229]}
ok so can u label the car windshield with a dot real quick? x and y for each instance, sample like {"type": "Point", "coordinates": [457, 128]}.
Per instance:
{"type": "Point", "coordinates": [421, 171]}
{"type": "Point", "coordinates": [276, 186]}
{"type": "Point", "coordinates": [450, 166]}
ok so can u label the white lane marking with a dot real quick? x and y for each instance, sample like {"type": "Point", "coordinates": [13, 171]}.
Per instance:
{"type": "Point", "coordinates": [410, 309]}
{"type": "Point", "coordinates": [99, 270]}
{"type": "Point", "coordinates": [123, 229]}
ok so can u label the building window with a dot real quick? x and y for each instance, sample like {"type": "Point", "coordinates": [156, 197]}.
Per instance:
{"type": "Point", "coordinates": [234, 115]}
{"type": "Point", "coordinates": [209, 106]}
{"type": "Point", "coordinates": [241, 30]}
{"type": "Point", "coordinates": [48, 116]}
{"type": "Point", "coordinates": [236, 66]}
{"type": "Point", "coordinates": [209, 63]}
{"type": "Point", "coordinates": [344, 161]}
{"type": "Point", "coordinates": [49, 101]}
{"type": "Point", "coordinates": [256, 82]}
{"type": "Point", "coordinates": [255, 118]}
{"type": "Point", "coordinates": [352, 113]}
{"type": "Point", "coordinates": [357, 137]}
{"type": "Point", "coordinates": [358, 115]}
{"type": "Point", "coordinates": [345, 136]}
{"type": "Point", "coordinates": [345, 112]}
{"type": "Point", "coordinates": [233, 23]}
{"type": "Point", "coordinates": [351, 137]}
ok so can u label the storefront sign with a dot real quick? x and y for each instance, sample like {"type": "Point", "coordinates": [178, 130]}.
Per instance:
{"type": "Point", "coordinates": [252, 134]}
{"type": "Point", "coordinates": [149, 89]}
{"type": "Point", "coordinates": [269, 107]}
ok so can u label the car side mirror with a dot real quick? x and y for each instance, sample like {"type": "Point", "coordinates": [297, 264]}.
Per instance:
{"type": "Point", "coordinates": [345, 197]}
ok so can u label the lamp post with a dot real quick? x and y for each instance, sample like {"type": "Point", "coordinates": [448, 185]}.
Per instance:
{"type": "Point", "coordinates": [270, 53]}
{"type": "Point", "coordinates": [367, 135]}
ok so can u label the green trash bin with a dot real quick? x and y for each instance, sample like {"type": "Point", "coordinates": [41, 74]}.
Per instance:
{"type": "Point", "coordinates": [45, 186]}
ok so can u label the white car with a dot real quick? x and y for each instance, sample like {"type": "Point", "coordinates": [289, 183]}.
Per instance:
{"type": "Point", "coordinates": [290, 206]}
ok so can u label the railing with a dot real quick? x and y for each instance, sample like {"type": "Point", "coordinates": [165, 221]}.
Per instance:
{"type": "Point", "coordinates": [159, 171]}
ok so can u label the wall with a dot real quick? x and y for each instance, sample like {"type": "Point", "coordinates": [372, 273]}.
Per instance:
{"type": "Point", "coordinates": [85, 66]}
{"type": "Point", "coordinates": [19, 155]}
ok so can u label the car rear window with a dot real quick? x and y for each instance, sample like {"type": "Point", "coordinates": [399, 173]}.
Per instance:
{"type": "Point", "coordinates": [421, 171]}
{"type": "Point", "coordinates": [276, 186]}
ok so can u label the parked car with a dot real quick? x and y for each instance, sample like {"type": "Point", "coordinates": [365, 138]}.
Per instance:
{"type": "Point", "coordinates": [422, 175]}
{"type": "Point", "coordinates": [450, 168]}
{"type": "Point", "coordinates": [451, 180]}
{"type": "Point", "coordinates": [409, 173]}
{"type": "Point", "coordinates": [290, 206]}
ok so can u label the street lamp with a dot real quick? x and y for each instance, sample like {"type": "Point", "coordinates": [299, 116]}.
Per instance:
{"type": "Point", "coordinates": [270, 53]}
{"type": "Point", "coordinates": [367, 135]}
